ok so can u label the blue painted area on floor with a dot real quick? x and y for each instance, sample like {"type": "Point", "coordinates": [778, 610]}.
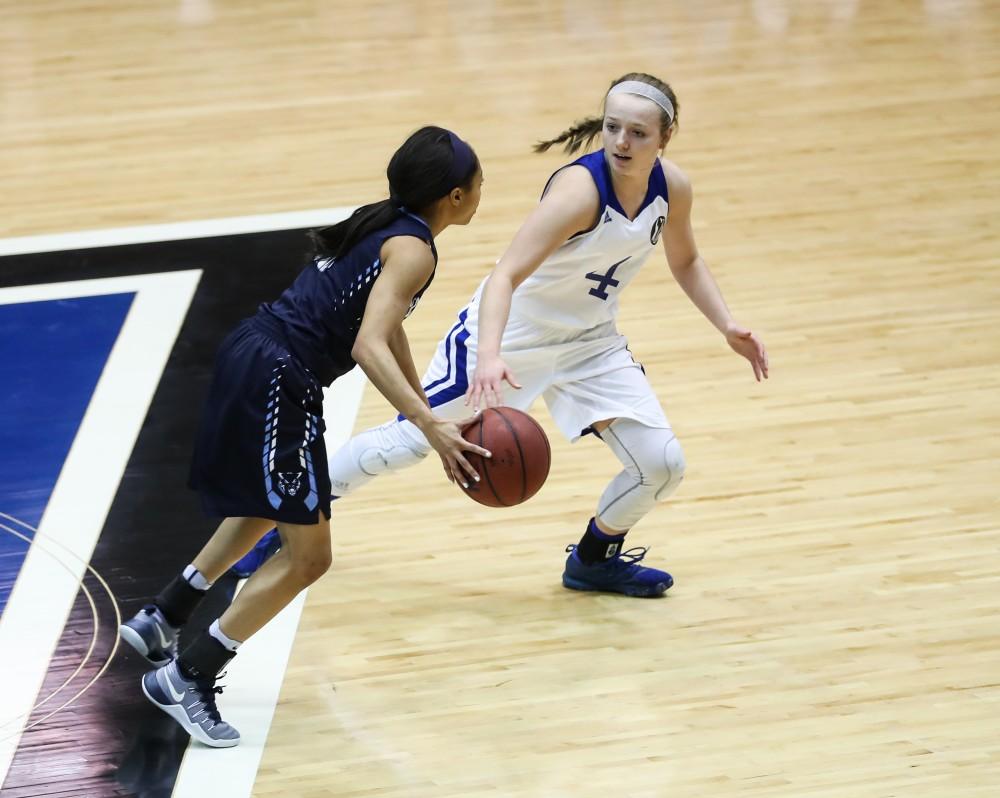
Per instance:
{"type": "Point", "coordinates": [52, 354]}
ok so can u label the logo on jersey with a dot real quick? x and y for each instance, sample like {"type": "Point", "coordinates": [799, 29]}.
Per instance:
{"type": "Point", "coordinates": [289, 482]}
{"type": "Point", "coordinates": [607, 217]}
{"type": "Point", "coordinates": [654, 234]}
{"type": "Point", "coordinates": [604, 280]}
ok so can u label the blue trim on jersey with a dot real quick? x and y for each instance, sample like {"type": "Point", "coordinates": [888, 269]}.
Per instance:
{"type": "Point", "coordinates": [447, 351]}
{"type": "Point", "coordinates": [458, 366]}
{"type": "Point", "coordinates": [406, 212]}
{"type": "Point", "coordinates": [597, 164]}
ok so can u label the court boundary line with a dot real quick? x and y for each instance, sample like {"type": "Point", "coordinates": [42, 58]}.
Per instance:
{"type": "Point", "coordinates": [257, 683]}
{"type": "Point", "coordinates": [91, 473]}
{"type": "Point", "coordinates": [172, 231]}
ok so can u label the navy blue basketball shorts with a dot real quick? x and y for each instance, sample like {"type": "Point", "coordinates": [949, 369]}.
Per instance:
{"type": "Point", "coordinates": [260, 451]}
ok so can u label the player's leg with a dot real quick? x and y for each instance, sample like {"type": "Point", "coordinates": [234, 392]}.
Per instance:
{"type": "Point", "coordinates": [154, 630]}
{"type": "Point", "coordinates": [185, 688]}
{"type": "Point", "coordinates": [613, 399]}
{"type": "Point", "coordinates": [653, 467]}
{"type": "Point", "coordinates": [262, 435]}
{"type": "Point", "coordinates": [262, 551]}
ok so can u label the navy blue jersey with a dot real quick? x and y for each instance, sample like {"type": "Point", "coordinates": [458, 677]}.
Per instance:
{"type": "Point", "coordinates": [319, 315]}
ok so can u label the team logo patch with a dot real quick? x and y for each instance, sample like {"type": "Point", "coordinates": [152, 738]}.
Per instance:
{"type": "Point", "coordinates": [654, 234]}
{"type": "Point", "coordinates": [289, 482]}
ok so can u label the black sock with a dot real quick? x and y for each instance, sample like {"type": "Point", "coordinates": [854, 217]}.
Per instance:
{"type": "Point", "coordinates": [204, 658]}
{"type": "Point", "coordinates": [597, 546]}
{"type": "Point", "coordinates": [178, 600]}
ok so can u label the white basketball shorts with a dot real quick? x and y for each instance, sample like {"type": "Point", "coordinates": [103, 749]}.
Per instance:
{"type": "Point", "coordinates": [584, 377]}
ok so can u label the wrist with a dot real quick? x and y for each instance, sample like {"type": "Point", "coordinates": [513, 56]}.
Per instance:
{"type": "Point", "coordinates": [422, 419]}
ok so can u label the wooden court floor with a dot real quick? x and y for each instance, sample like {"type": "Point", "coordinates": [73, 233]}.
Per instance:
{"type": "Point", "coordinates": [834, 630]}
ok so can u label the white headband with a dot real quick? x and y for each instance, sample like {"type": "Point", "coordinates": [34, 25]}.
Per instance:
{"type": "Point", "coordinates": [647, 91]}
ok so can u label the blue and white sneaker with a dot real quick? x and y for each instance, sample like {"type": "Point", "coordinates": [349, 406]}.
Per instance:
{"type": "Point", "coordinates": [619, 574]}
{"type": "Point", "coordinates": [257, 556]}
{"type": "Point", "coordinates": [150, 634]}
{"type": "Point", "coordinates": [190, 702]}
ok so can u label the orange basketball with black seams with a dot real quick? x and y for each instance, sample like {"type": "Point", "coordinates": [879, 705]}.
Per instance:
{"type": "Point", "coordinates": [520, 461]}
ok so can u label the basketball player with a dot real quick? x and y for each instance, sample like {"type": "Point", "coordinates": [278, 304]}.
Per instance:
{"type": "Point", "coordinates": [260, 458]}
{"type": "Point", "coordinates": [544, 322]}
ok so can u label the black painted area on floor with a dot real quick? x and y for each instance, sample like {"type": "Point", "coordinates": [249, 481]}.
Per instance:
{"type": "Point", "coordinates": [111, 741]}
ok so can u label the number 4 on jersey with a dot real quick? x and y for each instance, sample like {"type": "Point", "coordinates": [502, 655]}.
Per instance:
{"type": "Point", "coordinates": [604, 280]}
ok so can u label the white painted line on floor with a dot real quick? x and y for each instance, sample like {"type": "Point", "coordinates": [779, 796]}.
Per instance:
{"type": "Point", "coordinates": [175, 231]}
{"type": "Point", "coordinates": [43, 596]}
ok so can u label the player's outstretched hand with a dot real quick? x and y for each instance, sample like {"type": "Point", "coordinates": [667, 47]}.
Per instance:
{"type": "Point", "coordinates": [745, 343]}
{"type": "Point", "coordinates": [446, 438]}
{"type": "Point", "coordinates": [487, 383]}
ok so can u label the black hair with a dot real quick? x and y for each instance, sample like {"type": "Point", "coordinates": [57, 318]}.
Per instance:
{"type": "Point", "coordinates": [582, 133]}
{"type": "Point", "coordinates": [420, 172]}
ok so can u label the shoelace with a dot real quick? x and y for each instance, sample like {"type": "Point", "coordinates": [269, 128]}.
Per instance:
{"type": "Point", "coordinates": [628, 558]}
{"type": "Point", "coordinates": [207, 690]}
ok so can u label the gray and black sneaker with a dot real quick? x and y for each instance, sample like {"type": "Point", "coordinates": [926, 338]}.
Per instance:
{"type": "Point", "coordinates": [191, 702]}
{"type": "Point", "coordinates": [150, 634]}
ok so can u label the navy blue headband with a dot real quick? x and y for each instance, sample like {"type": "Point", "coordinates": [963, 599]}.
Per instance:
{"type": "Point", "coordinates": [462, 162]}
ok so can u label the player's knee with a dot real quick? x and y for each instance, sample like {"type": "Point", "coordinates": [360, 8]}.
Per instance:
{"type": "Point", "coordinates": [391, 447]}
{"type": "Point", "coordinates": [669, 469]}
{"type": "Point", "coordinates": [308, 566]}
{"type": "Point", "coordinates": [378, 457]}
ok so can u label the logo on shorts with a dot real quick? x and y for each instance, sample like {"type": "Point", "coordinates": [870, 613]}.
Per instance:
{"type": "Point", "coordinates": [654, 234]}
{"type": "Point", "coordinates": [289, 482]}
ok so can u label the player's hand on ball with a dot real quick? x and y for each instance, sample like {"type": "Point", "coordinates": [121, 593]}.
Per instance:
{"type": "Point", "coordinates": [487, 383]}
{"type": "Point", "coordinates": [446, 438]}
{"type": "Point", "coordinates": [745, 343]}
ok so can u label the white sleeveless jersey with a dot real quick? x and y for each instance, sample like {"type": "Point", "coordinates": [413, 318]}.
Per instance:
{"type": "Point", "coordinates": [578, 285]}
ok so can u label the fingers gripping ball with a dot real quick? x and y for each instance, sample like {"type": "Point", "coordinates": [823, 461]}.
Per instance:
{"type": "Point", "coordinates": [520, 461]}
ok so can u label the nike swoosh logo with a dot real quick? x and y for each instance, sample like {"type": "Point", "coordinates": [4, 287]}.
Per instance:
{"type": "Point", "coordinates": [178, 697]}
{"type": "Point", "coordinates": [164, 643]}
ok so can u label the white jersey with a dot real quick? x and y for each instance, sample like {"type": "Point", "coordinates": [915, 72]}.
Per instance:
{"type": "Point", "coordinates": [578, 285]}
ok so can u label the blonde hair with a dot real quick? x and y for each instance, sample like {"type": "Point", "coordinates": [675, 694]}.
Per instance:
{"type": "Point", "coordinates": [582, 133]}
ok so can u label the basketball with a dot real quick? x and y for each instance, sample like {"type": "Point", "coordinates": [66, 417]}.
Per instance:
{"type": "Point", "coordinates": [520, 461]}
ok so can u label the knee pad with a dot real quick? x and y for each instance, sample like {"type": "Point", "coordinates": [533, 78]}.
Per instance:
{"type": "Point", "coordinates": [388, 448]}
{"type": "Point", "coordinates": [654, 466]}
{"type": "Point", "coordinates": [392, 447]}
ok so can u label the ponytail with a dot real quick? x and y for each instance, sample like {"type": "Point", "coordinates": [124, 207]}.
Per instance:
{"type": "Point", "coordinates": [336, 240]}
{"type": "Point", "coordinates": [583, 133]}
{"type": "Point", "coordinates": [580, 135]}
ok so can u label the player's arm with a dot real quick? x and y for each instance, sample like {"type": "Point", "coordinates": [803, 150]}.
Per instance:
{"type": "Point", "coordinates": [569, 206]}
{"type": "Point", "coordinates": [692, 273]}
{"type": "Point", "coordinates": [407, 264]}
{"type": "Point", "coordinates": [399, 345]}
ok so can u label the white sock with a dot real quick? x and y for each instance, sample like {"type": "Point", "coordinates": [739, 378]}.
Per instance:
{"type": "Point", "coordinates": [195, 579]}
{"type": "Point", "coordinates": [222, 637]}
